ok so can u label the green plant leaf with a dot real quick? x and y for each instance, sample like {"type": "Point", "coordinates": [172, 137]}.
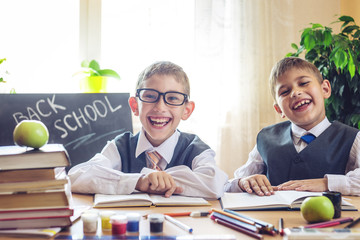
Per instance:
{"type": "Point", "coordinates": [316, 25]}
{"type": "Point", "coordinates": [2, 60]}
{"type": "Point", "coordinates": [355, 120]}
{"type": "Point", "coordinates": [85, 64]}
{"type": "Point", "coordinates": [327, 38]}
{"type": "Point", "coordinates": [305, 33]}
{"type": "Point", "coordinates": [356, 34]}
{"type": "Point", "coordinates": [350, 28]}
{"type": "Point", "coordinates": [294, 46]}
{"type": "Point", "coordinates": [345, 18]}
{"type": "Point", "coordinates": [94, 65]}
{"type": "Point", "coordinates": [340, 59]}
{"type": "Point", "coordinates": [309, 42]}
{"type": "Point", "coordinates": [351, 65]}
{"type": "Point", "coordinates": [109, 73]}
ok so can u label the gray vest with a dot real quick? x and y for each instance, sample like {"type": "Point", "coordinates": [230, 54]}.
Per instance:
{"type": "Point", "coordinates": [327, 154]}
{"type": "Point", "coordinates": [188, 147]}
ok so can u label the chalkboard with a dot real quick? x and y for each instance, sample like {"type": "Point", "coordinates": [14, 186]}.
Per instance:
{"type": "Point", "coordinates": [83, 122]}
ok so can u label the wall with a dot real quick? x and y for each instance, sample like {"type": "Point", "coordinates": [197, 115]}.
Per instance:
{"type": "Point", "coordinates": [351, 8]}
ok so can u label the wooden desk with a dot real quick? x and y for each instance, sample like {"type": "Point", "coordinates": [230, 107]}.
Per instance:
{"type": "Point", "coordinates": [203, 225]}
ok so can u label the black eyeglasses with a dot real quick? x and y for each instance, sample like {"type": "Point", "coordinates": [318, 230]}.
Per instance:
{"type": "Point", "coordinates": [150, 95]}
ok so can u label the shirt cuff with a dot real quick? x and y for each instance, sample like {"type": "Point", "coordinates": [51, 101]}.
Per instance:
{"type": "Point", "coordinates": [336, 182]}
{"type": "Point", "coordinates": [233, 186]}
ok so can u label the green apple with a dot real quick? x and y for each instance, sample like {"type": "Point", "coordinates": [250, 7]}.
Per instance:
{"type": "Point", "coordinates": [317, 209]}
{"type": "Point", "coordinates": [31, 133]}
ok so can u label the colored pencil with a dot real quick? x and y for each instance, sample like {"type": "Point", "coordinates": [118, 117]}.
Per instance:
{"type": "Point", "coordinates": [216, 215]}
{"type": "Point", "coordinates": [234, 216]}
{"type": "Point", "coordinates": [239, 229]}
{"type": "Point", "coordinates": [191, 214]}
{"type": "Point", "coordinates": [330, 223]}
{"type": "Point", "coordinates": [265, 227]}
{"type": "Point", "coordinates": [353, 223]}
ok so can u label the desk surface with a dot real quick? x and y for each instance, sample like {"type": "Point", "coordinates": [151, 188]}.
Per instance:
{"type": "Point", "coordinates": [201, 226]}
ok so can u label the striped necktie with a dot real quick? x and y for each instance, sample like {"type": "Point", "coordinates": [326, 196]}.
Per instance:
{"type": "Point", "coordinates": [154, 158]}
{"type": "Point", "coordinates": [308, 138]}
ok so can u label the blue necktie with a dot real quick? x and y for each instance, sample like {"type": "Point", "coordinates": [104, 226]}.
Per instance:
{"type": "Point", "coordinates": [308, 138]}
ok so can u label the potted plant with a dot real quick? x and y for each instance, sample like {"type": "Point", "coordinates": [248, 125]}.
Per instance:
{"type": "Point", "coordinates": [94, 79]}
{"type": "Point", "coordinates": [337, 57]}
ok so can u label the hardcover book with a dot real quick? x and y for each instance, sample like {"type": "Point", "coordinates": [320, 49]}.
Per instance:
{"type": "Point", "coordinates": [49, 156]}
{"type": "Point", "coordinates": [26, 175]}
{"type": "Point", "coordinates": [21, 214]}
{"type": "Point", "coordinates": [35, 223]}
{"type": "Point", "coordinates": [57, 198]}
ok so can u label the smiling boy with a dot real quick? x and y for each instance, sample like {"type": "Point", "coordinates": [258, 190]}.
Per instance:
{"type": "Point", "coordinates": [327, 158]}
{"type": "Point", "coordinates": [159, 159]}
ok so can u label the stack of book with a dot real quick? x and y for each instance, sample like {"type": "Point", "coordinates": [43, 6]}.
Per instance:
{"type": "Point", "coordinates": [34, 189]}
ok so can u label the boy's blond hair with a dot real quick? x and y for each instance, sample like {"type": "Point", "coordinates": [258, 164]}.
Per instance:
{"type": "Point", "coordinates": [288, 63]}
{"type": "Point", "coordinates": [165, 68]}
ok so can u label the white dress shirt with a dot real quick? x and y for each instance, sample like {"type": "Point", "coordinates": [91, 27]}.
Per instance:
{"type": "Point", "coordinates": [348, 184]}
{"type": "Point", "coordinates": [102, 173]}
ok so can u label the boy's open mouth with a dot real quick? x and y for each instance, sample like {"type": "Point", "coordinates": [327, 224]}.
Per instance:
{"type": "Point", "coordinates": [301, 104]}
{"type": "Point", "coordinates": [159, 121]}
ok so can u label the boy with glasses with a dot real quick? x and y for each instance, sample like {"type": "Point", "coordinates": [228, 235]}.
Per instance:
{"type": "Point", "coordinates": [159, 159]}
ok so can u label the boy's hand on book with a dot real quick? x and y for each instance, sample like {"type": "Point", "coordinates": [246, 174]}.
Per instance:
{"type": "Point", "coordinates": [257, 183]}
{"type": "Point", "coordinates": [312, 185]}
{"type": "Point", "coordinates": [158, 182]}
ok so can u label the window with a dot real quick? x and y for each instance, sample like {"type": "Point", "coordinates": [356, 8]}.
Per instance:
{"type": "Point", "coordinates": [39, 39]}
{"type": "Point", "coordinates": [135, 34]}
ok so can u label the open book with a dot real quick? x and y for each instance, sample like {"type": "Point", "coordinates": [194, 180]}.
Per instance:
{"type": "Point", "coordinates": [144, 199]}
{"type": "Point", "coordinates": [280, 200]}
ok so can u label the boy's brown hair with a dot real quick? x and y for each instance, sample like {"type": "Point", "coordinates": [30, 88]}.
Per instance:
{"type": "Point", "coordinates": [288, 63]}
{"type": "Point", "coordinates": [165, 68]}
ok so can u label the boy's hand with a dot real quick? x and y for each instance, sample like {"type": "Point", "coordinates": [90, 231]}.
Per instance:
{"type": "Point", "coordinates": [257, 183]}
{"type": "Point", "coordinates": [312, 185]}
{"type": "Point", "coordinates": [159, 183]}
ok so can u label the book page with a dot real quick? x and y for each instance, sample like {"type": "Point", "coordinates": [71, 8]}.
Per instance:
{"type": "Point", "coordinates": [235, 201]}
{"type": "Point", "coordinates": [291, 199]}
{"type": "Point", "coordinates": [136, 199]}
{"type": "Point", "coordinates": [297, 197]}
{"type": "Point", "coordinates": [178, 200]}
{"type": "Point", "coordinates": [253, 201]}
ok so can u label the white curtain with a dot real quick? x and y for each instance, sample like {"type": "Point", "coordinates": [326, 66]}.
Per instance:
{"type": "Point", "coordinates": [237, 42]}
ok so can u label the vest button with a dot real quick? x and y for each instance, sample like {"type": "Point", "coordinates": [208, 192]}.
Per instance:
{"type": "Point", "coordinates": [297, 160]}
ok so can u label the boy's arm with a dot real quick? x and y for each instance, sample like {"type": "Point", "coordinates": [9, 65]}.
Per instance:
{"type": "Point", "coordinates": [102, 174]}
{"type": "Point", "coordinates": [205, 179]}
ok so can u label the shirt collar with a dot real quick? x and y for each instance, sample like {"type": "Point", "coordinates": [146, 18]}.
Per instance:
{"type": "Point", "coordinates": [166, 149]}
{"type": "Point", "coordinates": [298, 132]}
